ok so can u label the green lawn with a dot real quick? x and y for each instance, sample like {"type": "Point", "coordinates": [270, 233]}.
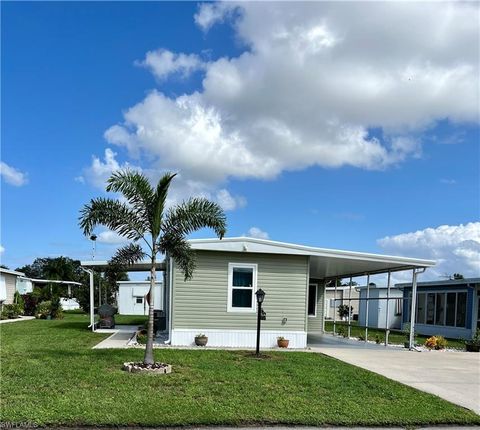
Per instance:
{"type": "Point", "coordinates": [51, 376]}
{"type": "Point", "coordinates": [395, 337]}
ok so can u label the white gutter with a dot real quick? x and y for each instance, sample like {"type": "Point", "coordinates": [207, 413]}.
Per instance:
{"type": "Point", "coordinates": [92, 304]}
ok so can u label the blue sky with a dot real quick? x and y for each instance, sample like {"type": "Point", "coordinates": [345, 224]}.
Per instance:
{"type": "Point", "coordinates": [347, 167]}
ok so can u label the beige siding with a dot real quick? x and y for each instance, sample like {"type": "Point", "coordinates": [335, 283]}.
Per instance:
{"type": "Point", "coordinates": [315, 324]}
{"type": "Point", "coordinates": [202, 301]}
{"type": "Point", "coordinates": [11, 284]}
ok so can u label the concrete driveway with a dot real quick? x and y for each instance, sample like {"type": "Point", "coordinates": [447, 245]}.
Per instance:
{"type": "Point", "coordinates": [453, 376]}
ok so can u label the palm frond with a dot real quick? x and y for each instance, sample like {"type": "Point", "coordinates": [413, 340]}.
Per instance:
{"type": "Point", "coordinates": [177, 247]}
{"type": "Point", "coordinates": [127, 255]}
{"type": "Point", "coordinates": [112, 214]}
{"type": "Point", "coordinates": [136, 188]}
{"type": "Point", "coordinates": [194, 214]}
{"type": "Point", "coordinates": [160, 197]}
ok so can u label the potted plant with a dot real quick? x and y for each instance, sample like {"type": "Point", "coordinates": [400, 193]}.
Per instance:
{"type": "Point", "coordinates": [473, 345]}
{"type": "Point", "coordinates": [201, 339]}
{"type": "Point", "coordinates": [282, 342]}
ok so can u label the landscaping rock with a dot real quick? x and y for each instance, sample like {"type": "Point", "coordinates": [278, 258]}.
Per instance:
{"type": "Point", "coordinates": [137, 367]}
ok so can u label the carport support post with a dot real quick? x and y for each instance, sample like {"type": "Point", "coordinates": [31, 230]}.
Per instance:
{"type": "Point", "coordinates": [367, 306]}
{"type": "Point", "coordinates": [349, 307]}
{"type": "Point", "coordinates": [412, 310]}
{"type": "Point", "coordinates": [335, 307]}
{"type": "Point", "coordinates": [387, 329]}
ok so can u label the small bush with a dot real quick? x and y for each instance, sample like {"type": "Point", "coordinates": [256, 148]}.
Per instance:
{"type": "Point", "coordinates": [44, 309]}
{"type": "Point", "coordinates": [18, 300]}
{"type": "Point", "coordinates": [342, 331]}
{"type": "Point", "coordinates": [30, 304]}
{"type": "Point", "coordinates": [56, 309]}
{"type": "Point", "coordinates": [436, 342]}
{"type": "Point", "coordinates": [361, 337]}
{"type": "Point", "coordinates": [378, 339]}
{"type": "Point", "coordinates": [11, 311]}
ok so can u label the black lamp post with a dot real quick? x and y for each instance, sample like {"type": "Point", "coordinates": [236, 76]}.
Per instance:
{"type": "Point", "coordinates": [260, 296]}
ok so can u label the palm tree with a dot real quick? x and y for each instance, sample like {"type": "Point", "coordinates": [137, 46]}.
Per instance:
{"type": "Point", "coordinates": [144, 217]}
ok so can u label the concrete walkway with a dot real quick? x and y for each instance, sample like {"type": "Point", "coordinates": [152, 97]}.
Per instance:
{"type": "Point", "coordinates": [17, 320]}
{"type": "Point", "coordinates": [453, 376]}
{"type": "Point", "coordinates": [121, 334]}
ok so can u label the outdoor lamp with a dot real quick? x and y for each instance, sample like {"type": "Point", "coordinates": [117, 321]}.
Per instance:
{"type": "Point", "coordinates": [260, 296]}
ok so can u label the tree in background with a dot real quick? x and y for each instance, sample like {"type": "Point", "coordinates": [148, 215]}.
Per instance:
{"type": "Point", "coordinates": [144, 218]}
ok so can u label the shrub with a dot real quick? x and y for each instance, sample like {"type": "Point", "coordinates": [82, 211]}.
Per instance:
{"type": "Point", "coordinates": [56, 308]}
{"type": "Point", "coordinates": [18, 300]}
{"type": "Point", "coordinates": [378, 339]}
{"type": "Point", "coordinates": [11, 311]}
{"type": "Point", "coordinates": [441, 342]}
{"type": "Point", "coordinates": [342, 331]}
{"type": "Point", "coordinates": [343, 311]}
{"type": "Point", "coordinates": [436, 342]}
{"type": "Point", "coordinates": [44, 309]}
{"type": "Point", "coordinates": [475, 340]}
{"type": "Point", "coordinates": [30, 304]}
{"type": "Point", "coordinates": [361, 337]}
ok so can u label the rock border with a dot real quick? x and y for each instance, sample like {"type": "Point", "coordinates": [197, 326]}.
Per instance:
{"type": "Point", "coordinates": [139, 367]}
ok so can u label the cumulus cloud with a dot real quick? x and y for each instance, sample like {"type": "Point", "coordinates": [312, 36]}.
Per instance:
{"type": "Point", "coordinates": [112, 238]}
{"type": "Point", "coordinates": [12, 176]}
{"type": "Point", "coordinates": [456, 248]}
{"type": "Point", "coordinates": [313, 82]}
{"type": "Point", "coordinates": [163, 63]}
{"type": "Point", "coordinates": [257, 233]}
{"type": "Point", "coordinates": [99, 171]}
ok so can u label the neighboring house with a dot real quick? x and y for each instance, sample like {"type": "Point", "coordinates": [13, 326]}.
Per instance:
{"type": "Point", "coordinates": [220, 301]}
{"type": "Point", "coordinates": [9, 279]}
{"type": "Point", "coordinates": [378, 305]}
{"type": "Point", "coordinates": [131, 297]}
{"type": "Point", "coordinates": [342, 294]}
{"type": "Point", "coordinates": [448, 308]}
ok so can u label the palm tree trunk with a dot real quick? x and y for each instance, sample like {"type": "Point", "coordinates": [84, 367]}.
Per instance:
{"type": "Point", "coordinates": [148, 359]}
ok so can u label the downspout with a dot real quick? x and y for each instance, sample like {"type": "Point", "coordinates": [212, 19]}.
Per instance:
{"type": "Point", "coordinates": [168, 267]}
{"type": "Point", "coordinates": [413, 307]}
{"type": "Point", "coordinates": [92, 304]}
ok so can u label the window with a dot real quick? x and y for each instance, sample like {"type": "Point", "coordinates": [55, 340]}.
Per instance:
{"type": "Point", "coordinates": [312, 300]}
{"type": "Point", "coordinates": [242, 284]}
{"type": "Point", "coordinates": [440, 309]}
{"type": "Point", "coordinates": [450, 314]}
{"type": "Point", "coordinates": [420, 309]}
{"type": "Point", "coordinates": [139, 300]}
{"type": "Point", "coordinates": [430, 308]}
{"type": "Point", "coordinates": [461, 309]}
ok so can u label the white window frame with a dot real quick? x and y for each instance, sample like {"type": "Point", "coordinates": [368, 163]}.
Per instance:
{"type": "Point", "coordinates": [231, 266]}
{"type": "Point", "coordinates": [314, 315]}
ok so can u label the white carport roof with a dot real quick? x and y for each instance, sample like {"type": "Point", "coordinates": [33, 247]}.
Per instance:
{"type": "Point", "coordinates": [324, 263]}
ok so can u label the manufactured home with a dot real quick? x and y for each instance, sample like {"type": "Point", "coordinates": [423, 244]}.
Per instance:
{"type": "Point", "coordinates": [220, 301]}
{"type": "Point", "coordinates": [10, 281]}
{"type": "Point", "coordinates": [449, 308]}
{"type": "Point", "coordinates": [131, 298]}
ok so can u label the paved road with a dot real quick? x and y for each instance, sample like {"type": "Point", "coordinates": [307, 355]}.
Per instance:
{"type": "Point", "coordinates": [454, 376]}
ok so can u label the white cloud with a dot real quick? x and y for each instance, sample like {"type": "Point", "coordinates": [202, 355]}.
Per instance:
{"type": "Point", "coordinates": [2, 249]}
{"type": "Point", "coordinates": [99, 171]}
{"type": "Point", "coordinates": [456, 248]}
{"type": "Point", "coordinates": [257, 233]}
{"type": "Point", "coordinates": [447, 181]}
{"type": "Point", "coordinates": [312, 82]}
{"type": "Point", "coordinates": [111, 237]}
{"type": "Point", "coordinates": [229, 202]}
{"type": "Point", "coordinates": [163, 63]}
{"type": "Point", "coordinates": [12, 176]}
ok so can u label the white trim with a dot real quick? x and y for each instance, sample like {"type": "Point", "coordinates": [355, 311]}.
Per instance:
{"type": "Point", "coordinates": [316, 299]}
{"type": "Point", "coordinates": [238, 338]}
{"type": "Point", "coordinates": [231, 266]}
{"type": "Point", "coordinates": [240, 244]}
